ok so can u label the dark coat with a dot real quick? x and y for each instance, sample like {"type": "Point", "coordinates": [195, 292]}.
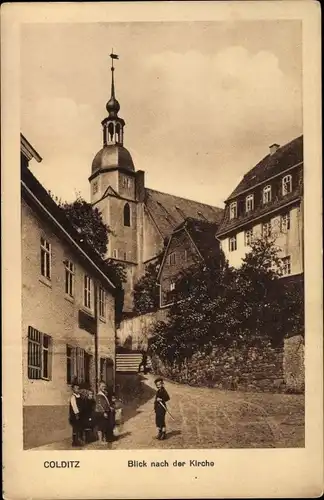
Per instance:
{"type": "Point", "coordinates": [73, 419]}
{"type": "Point", "coordinates": [162, 394]}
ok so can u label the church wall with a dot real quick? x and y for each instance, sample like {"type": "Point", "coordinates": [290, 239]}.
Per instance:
{"type": "Point", "coordinates": [126, 186]}
{"type": "Point", "coordinates": [152, 240]}
{"type": "Point", "coordinates": [109, 179]}
{"type": "Point", "coordinates": [123, 241]}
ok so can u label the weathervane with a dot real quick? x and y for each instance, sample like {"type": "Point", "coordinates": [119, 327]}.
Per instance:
{"type": "Point", "coordinates": [113, 56]}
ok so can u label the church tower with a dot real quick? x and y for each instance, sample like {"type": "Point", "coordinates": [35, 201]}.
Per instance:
{"type": "Point", "coordinates": [117, 190]}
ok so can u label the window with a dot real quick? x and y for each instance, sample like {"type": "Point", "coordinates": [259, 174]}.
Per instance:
{"type": "Point", "coordinates": [126, 182]}
{"type": "Point", "coordinates": [45, 258]}
{"type": "Point", "coordinates": [115, 253]}
{"type": "Point", "coordinates": [266, 229]}
{"type": "Point", "coordinates": [125, 255]}
{"type": "Point", "coordinates": [39, 354]}
{"type": "Point", "coordinates": [286, 266]}
{"type": "Point", "coordinates": [232, 244]}
{"type": "Point", "coordinates": [95, 187]}
{"type": "Point", "coordinates": [87, 292]}
{"type": "Point", "coordinates": [249, 203]}
{"type": "Point", "coordinates": [285, 222]}
{"type": "Point", "coordinates": [233, 210]}
{"type": "Point", "coordinates": [185, 256]}
{"type": "Point", "coordinates": [248, 237]}
{"type": "Point", "coordinates": [102, 303]}
{"type": "Point", "coordinates": [266, 194]}
{"type": "Point", "coordinates": [172, 286]}
{"type": "Point", "coordinates": [286, 184]}
{"type": "Point", "coordinates": [78, 365]}
{"type": "Point", "coordinates": [172, 258]}
{"type": "Point", "coordinates": [69, 278]}
{"type": "Point", "coordinates": [127, 215]}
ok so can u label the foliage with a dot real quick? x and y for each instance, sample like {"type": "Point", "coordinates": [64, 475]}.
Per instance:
{"type": "Point", "coordinates": [215, 305]}
{"type": "Point", "coordinates": [145, 292]}
{"type": "Point", "coordinates": [89, 223]}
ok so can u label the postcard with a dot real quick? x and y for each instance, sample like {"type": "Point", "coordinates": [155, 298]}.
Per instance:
{"type": "Point", "coordinates": [162, 258]}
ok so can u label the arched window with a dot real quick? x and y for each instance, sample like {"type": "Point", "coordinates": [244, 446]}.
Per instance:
{"type": "Point", "coordinates": [127, 215]}
{"type": "Point", "coordinates": [249, 203]}
{"type": "Point", "coordinates": [118, 133]}
{"type": "Point", "coordinates": [111, 131]}
{"type": "Point", "coordinates": [266, 194]}
{"type": "Point", "coordinates": [286, 185]}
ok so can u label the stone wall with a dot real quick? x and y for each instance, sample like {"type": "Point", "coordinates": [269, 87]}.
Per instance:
{"type": "Point", "coordinates": [135, 332]}
{"type": "Point", "coordinates": [246, 369]}
{"type": "Point", "coordinates": [293, 364]}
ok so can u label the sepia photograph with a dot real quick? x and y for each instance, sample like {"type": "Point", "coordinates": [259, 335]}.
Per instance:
{"type": "Point", "coordinates": [162, 250]}
{"type": "Point", "coordinates": [162, 235]}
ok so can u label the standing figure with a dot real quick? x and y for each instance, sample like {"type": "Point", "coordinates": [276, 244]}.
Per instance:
{"type": "Point", "coordinates": [75, 415]}
{"type": "Point", "coordinates": [103, 409]}
{"type": "Point", "coordinates": [89, 406]}
{"type": "Point", "coordinates": [161, 398]}
{"type": "Point", "coordinates": [111, 416]}
{"type": "Point", "coordinates": [118, 406]}
{"type": "Point", "coordinates": [143, 363]}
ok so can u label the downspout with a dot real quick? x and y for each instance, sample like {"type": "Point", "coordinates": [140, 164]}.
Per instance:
{"type": "Point", "coordinates": [96, 334]}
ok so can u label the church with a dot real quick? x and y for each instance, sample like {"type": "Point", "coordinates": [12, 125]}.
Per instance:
{"type": "Point", "coordinates": [141, 219]}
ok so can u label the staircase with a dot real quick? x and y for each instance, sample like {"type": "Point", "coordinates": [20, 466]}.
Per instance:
{"type": "Point", "coordinates": [128, 362]}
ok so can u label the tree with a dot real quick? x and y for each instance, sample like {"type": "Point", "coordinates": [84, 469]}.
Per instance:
{"type": "Point", "coordinates": [225, 306]}
{"type": "Point", "coordinates": [145, 294]}
{"type": "Point", "coordinates": [88, 222]}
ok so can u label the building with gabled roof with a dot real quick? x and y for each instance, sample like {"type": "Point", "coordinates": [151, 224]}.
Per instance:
{"type": "Point", "coordinates": [192, 242]}
{"type": "Point", "coordinates": [68, 312]}
{"type": "Point", "coordinates": [268, 202]}
{"type": "Point", "coordinates": [141, 219]}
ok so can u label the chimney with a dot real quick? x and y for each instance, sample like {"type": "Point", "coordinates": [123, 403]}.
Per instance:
{"type": "Point", "coordinates": [273, 148]}
{"type": "Point", "coordinates": [140, 185]}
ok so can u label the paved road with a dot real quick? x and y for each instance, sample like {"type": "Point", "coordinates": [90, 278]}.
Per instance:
{"type": "Point", "coordinates": [210, 418]}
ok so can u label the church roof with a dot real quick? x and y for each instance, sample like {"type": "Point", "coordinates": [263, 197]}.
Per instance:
{"type": "Point", "coordinates": [168, 211]}
{"type": "Point", "coordinates": [111, 157]}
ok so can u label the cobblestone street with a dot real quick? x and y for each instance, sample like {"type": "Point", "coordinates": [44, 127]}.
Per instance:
{"type": "Point", "coordinates": [210, 418]}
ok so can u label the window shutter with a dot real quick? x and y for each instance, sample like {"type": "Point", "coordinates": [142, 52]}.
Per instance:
{"type": "Point", "coordinates": [50, 358]}
{"type": "Point", "coordinates": [74, 370]}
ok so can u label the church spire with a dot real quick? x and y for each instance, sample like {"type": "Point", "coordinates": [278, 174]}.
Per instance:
{"type": "Point", "coordinates": [113, 105]}
{"type": "Point", "coordinates": [113, 126]}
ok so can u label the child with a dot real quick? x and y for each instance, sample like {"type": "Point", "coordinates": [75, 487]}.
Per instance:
{"type": "Point", "coordinates": [161, 398]}
{"type": "Point", "coordinates": [103, 410]}
{"type": "Point", "coordinates": [75, 415]}
{"type": "Point", "coordinates": [118, 415]}
{"type": "Point", "coordinates": [89, 405]}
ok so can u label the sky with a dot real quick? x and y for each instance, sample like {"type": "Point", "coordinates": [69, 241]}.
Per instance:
{"type": "Point", "coordinates": [202, 101]}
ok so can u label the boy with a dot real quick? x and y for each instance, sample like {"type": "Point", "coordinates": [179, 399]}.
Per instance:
{"type": "Point", "coordinates": [75, 417]}
{"type": "Point", "coordinates": [161, 398]}
{"type": "Point", "coordinates": [89, 406]}
{"type": "Point", "coordinates": [103, 409]}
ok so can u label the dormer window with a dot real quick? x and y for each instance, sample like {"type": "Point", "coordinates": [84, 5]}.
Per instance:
{"type": "Point", "coordinates": [233, 210]}
{"type": "Point", "coordinates": [266, 194]}
{"type": "Point", "coordinates": [286, 185]}
{"type": "Point", "coordinates": [249, 203]}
